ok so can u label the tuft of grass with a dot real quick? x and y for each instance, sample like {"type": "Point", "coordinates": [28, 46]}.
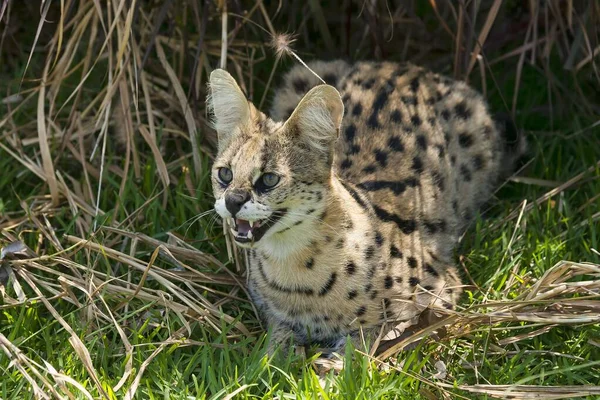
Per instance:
{"type": "Point", "coordinates": [116, 280]}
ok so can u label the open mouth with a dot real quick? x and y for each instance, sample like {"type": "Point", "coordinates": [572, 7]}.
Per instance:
{"type": "Point", "coordinates": [250, 231]}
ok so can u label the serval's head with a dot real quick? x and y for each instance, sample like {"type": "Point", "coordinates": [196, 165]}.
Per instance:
{"type": "Point", "coordinates": [271, 178]}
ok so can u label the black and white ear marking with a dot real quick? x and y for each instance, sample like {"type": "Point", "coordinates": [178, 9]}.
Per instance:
{"type": "Point", "coordinates": [229, 106]}
{"type": "Point", "coordinates": [318, 117]}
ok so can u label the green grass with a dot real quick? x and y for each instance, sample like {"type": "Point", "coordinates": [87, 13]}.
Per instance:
{"type": "Point", "coordinates": [178, 354]}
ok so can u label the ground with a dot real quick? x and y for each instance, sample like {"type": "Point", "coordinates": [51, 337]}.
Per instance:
{"type": "Point", "coordinates": [145, 298]}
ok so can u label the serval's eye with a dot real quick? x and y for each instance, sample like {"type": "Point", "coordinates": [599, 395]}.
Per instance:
{"type": "Point", "coordinates": [267, 181]}
{"type": "Point", "coordinates": [225, 175]}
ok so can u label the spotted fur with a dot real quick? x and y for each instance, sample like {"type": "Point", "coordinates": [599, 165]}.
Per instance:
{"type": "Point", "coordinates": [369, 206]}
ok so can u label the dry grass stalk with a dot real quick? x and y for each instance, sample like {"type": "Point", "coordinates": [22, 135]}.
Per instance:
{"type": "Point", "coordinates": [147, 89]}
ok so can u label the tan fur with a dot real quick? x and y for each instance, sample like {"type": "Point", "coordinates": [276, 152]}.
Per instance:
{"type": "Point", "coordinates": [370, 219]}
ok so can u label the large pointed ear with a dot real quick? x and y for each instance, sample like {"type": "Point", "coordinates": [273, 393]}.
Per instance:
{"type": "Point", "coordinates": [317, 118]}
{"type": "Point", "coordinates": [230, 108]}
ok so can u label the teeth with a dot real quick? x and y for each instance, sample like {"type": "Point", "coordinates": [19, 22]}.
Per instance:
{"type": "Point", "coordinates": [250, 234]}
{"type": "Point", "coordinates": [251, 222]}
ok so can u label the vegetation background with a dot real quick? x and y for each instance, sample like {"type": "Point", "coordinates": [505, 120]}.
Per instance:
{"type": "Point", "coordinates": [116, 280]}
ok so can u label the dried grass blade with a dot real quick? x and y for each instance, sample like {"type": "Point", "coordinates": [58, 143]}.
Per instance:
{"type": "Point", "coordinates": [160, 163]}
{"type": "Point", "coordinates": [3, 9]}
{"type": "Point", "coordinates": [61, 25]}
{"type": "Point", "coordinates": [185, 108]}
{"type": "Point", "coordinates": [489, 22]}
{"type": "Point", "coordinates": [136, 382]}
{"type": "Point", "coordinates": [61, 379]}
{"type": "Point", "coordinates": [37, 34]}
{"type": "Point", "coordinates": [80, 349]}
{"type": "Point", "coordinates": [17, 359]}
{"type": "Point", "coordinates": [47, 164]}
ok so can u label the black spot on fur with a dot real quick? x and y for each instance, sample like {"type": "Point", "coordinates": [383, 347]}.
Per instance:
{"type": "Point", "coordinates": [407, 226]}
{"type": "Point", "coordinates": [357, 110]}
{"type": "Point", "coordinates": [462, 111]}
{"type": "Point", "coordinates": [399, 279]}
{"type": "Point", "coordinates": [422, 142]}
{"type": "Point", "coordinates": [452, 159]}
{"type": "Point", "coordinates": [395, 144]}
{"type": "Point", "coordinates": [465, 140]}
{"type": "Point", "coordinates": [368, 287]}
{"type": "Point", "coordinates": [429, 268]}
{"type": "Point", "coordinates": [352, 294]}
{"type": "Point", "coordinates": [325, 289]}
{"type": "Point", "coordinates": [396, 116]}
{"type": "Point", "coordinates": [378, 238]}
{"type": "Point", "coordinates": [350, 268]}
{"type": "Point", "coordinates": [466, 174]}
{"type": "Point", "coordinates": [395, 252]}
{"type": "Point", "coordinates": [378, 104]}
{"type": "Point", "coordinates": [414, 84]}
{"type": "Point", "coordinates": [412, 262]}
{"type": "Point", "coordinates": [478, 162]}
{"type": "Point", "coordinates": [369, 169]}
{"type": "Point", "coordinates": [409, 100]}
{"type": "Point", "coordinates": [278, 287]}
{"type": "Point", "coordinates": [430, 101]}
{"type": "Point", "coordinates": [310, 211]}
{"type": "Point", "coordinates": [347, 163]}
{"type": "Point", "coordinates": [374, 294]}
{"type": "Point", "coordinates": [416, 120]}
{"type": "Point", "coordinates": [417, 165]}
{"type": "Point", "coordinates": [449, 291]}
{"type": "Point", "coordinates": [435, 226]}
{"type": "Point", "coordinates": [455, 206]}
{"type": "Point", "coordinates": [354, 149]}
{"type": "Point", "coordinates": [414, 281]}
{"type": "Point", "coordinates": [361, 311]}
{"type": "Point", "coordinates": [330, 79]}
{"type": "Point", "coordinates": [368, 84]}
{"type": "Point", "coordinates": [369, 252]}
{"type": "Point", "coordinates": [441, 150]}
{"type": "Point", "coordinates": [355, 195]}
{"type": "Point", "coordinates": [398, 187]}
{"type": "Point", "coordinates": [310, 263]}
{"type": "Point", "coordinates": [350, 132]}
{"type": "Point", "coordinates": [388, 282]}
{"type": "Point", "coordinates": [445, 114]}
{"type": "Point", "coordinates": [300, 85]}
{"type": "Point", "coordinates": [429, 288]}
{"type": "Point", "coordinates": [381, 157]}
{"type": "Point", "coordinates": [381, 99]}
{"type": "Point", "coordinates": [340, 243]}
